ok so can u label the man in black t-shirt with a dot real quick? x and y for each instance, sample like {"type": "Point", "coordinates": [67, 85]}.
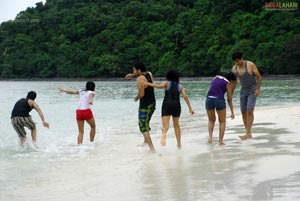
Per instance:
{"type": "Point", "coordinates": [20, 117]}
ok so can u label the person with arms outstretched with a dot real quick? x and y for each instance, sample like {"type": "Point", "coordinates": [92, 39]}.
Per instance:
{"type": "Point", "coordinates": [83, 111]}
{"type": "Point", "coordinates": [20, 117]}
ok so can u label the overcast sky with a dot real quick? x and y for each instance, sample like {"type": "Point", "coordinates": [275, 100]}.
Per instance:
{"type": "Point", "coordinates": [10, 8]}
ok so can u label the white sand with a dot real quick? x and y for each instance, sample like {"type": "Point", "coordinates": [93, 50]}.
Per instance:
{"type": "Point", "coordinates": [267, 166]}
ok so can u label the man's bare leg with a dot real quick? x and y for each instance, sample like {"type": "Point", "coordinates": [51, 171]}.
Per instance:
{"type": "Point", "coordinates": [22, 141]}
{"type": "Point", "coordinates": [33, 136]}
{"type": "Point", "coordinates": [248, 118]}
{"type": "Point", "coordinates": [149, 141]}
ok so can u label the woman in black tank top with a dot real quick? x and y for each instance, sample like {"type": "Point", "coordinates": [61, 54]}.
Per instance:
{"type": "Point", "coordinates": [171, 105]}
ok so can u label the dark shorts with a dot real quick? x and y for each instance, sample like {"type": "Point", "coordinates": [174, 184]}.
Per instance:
{"type": "Point", "coordinates": [215, 103]}
{"type": "Point", "coordinates": [82, 115]}
{"type": "Point", "coordinates": [247, 100]}
{"type": "Point", "coordinates": [19, 124]}
{"type": "Point", "coordinates": [145, 115]}
{"type": "Point", "coordinates": [169, 109]}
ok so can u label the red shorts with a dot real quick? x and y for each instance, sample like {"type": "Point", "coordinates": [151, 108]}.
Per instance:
{"type": "Point", "coordinates": [82, 115]}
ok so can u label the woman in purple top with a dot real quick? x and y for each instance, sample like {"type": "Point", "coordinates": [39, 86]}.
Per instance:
{"type": "Point", "coordinates": [215, 102]}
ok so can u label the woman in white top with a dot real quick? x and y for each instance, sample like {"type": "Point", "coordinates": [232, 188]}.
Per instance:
{"type": "Point", "coordinates": [83, 111]}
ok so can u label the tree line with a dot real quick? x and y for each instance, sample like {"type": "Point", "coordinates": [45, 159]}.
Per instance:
{"type": "Point", "coordinates": [103, 38]}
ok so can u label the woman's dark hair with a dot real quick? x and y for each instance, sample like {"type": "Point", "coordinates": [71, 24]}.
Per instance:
{"type": "Point", "coordinates": [237, 55]}
{"type": "Point", "coordinates": [139, 66]}
{"type": "Point", "coordinates": [90, 86]}
{"type": "Point", "coordinates": [230, 76]}
{"type": "Point", "coordinates": [31, 95]}
{"type": "Point", "coordinates": [172, 75]}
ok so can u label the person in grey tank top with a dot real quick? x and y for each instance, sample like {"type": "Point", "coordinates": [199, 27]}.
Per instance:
{"type": "Point", "coordinates": [250, 80]}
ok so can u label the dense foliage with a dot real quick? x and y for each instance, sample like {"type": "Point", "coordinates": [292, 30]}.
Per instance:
{"type": "Point", "coordinates": [102, 38]}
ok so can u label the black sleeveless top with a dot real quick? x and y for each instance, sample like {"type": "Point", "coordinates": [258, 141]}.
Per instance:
{"type": "Point", "coordinates": [149, 97]}
{"type": "Point", "coordinates": [172, 94]}
{"type": "Point", "coordinates": [171, 103]}
{"type": "Point", "coordinates": [21, 108]}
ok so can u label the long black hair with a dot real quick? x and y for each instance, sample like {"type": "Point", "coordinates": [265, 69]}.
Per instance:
{"type": "Point", "coordinates": [172, 75]}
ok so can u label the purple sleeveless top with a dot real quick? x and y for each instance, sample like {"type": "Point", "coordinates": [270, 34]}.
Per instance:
{"type": "Point", "coordinates": [218, 87]}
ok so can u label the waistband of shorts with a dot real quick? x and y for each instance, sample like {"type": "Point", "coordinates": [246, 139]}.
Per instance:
{"type": "Point", "coordinates": [16, 117]}
{"type": "Point", "coordinates": [148, 106]}
{"type": "Point", "coordinates": [89, 109]}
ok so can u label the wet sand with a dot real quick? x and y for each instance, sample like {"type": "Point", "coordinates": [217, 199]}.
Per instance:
{"type": "Point", "coordinates": [116, 169]}
{"type": "Point", "coordinates": [263, 168]}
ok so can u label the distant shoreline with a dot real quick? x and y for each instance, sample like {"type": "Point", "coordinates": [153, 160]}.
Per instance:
{"type": "Point", "coordinates": [120, 79]}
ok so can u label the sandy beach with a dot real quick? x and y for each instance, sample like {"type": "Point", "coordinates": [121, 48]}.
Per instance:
{"type": "Point", "coordinates": [269, 120]}
{"type": "Point", "coordinates": [263, 168]}
{"type": "Point", "coordinates": [115, 168]}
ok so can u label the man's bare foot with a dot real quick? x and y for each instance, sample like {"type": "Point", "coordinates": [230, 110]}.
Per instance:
{"type": "Point", "coordinates": [179, 146]}
{"type": "Point", "coordinates": [245, 137]}
{"type": "Point", "coordinates": [209, 140]}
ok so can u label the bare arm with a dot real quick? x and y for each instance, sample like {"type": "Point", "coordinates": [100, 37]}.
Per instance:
{"type": "Point", "coordinates": [229, 99]}
{"type": "Point", "coordinates": [258, 77]}
{"type": "Point", "coordinates": [129, 76]}
{"type": "Point", "coordinates": [68, 91]}
{"type": "Point", "coordinates": [187, 100]}
{"type": "Point", "coordinates": [39, 111]}
{"type": "Point", "coordinates": [233, 83]}
{"type": "Point", "coordinates": [158, 86]}
{"type": "Point", "coordinates": [91, 98]}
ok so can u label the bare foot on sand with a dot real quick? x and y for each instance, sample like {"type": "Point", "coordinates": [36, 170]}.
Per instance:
{"type": "Point", "coordinates": [152, 150]}
{"type": "Point", "coordinates": [221, 143]}
{"type": "Point", "coordinates": [209, 140]}
{"type": "Point", "coordinates": [245, 137]}
{"type": "Point", "coordinates": [163, 141]}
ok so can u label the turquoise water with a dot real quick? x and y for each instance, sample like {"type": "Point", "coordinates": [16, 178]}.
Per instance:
{"type": "Point", "coordinates": [114, 167]}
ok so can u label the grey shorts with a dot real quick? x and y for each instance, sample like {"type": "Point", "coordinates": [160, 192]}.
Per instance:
{"type": "Point", "coordinates": [247, 100]}
{"type": "Point", "coordinates": [20, 122]}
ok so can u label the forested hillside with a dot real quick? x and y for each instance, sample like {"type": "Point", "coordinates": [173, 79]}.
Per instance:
{"type": "Point", "coordinates": [98, 38]}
